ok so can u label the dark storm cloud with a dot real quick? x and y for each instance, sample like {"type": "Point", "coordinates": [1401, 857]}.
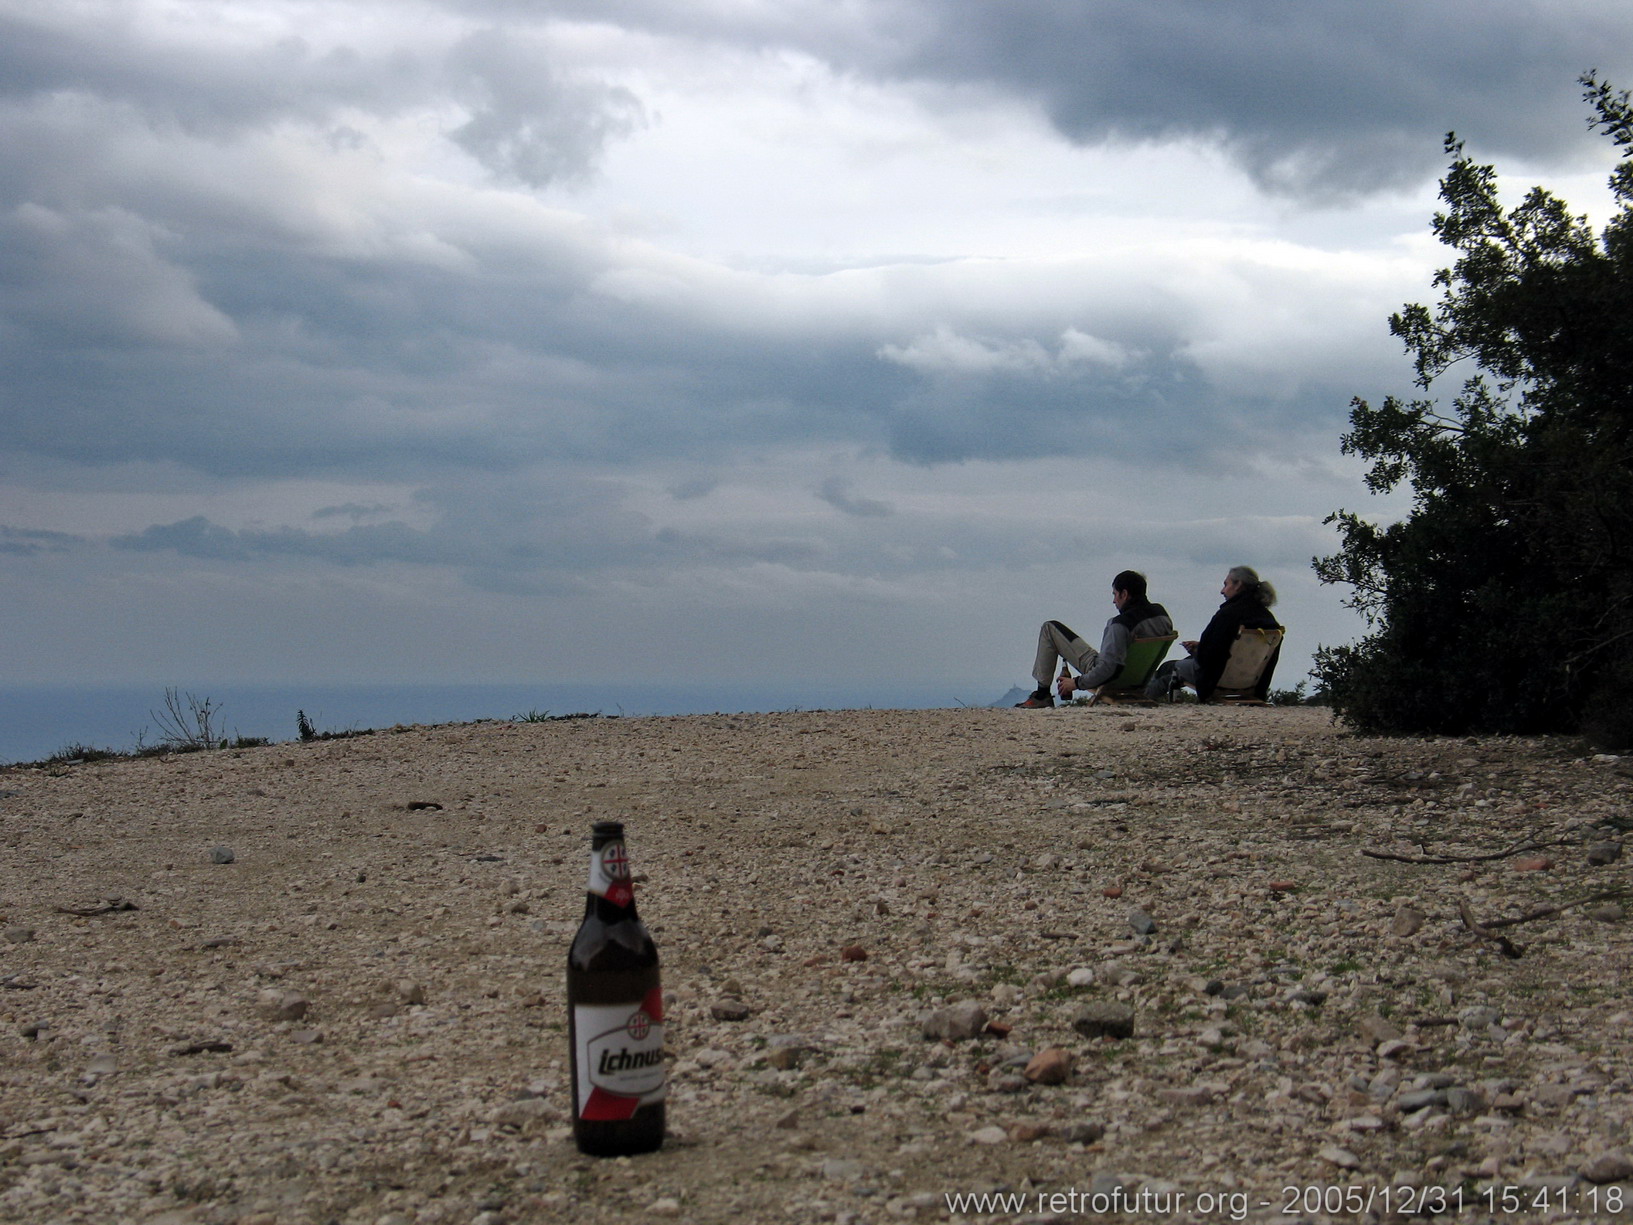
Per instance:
{"type": "Point", "coordinates": [527, 528]}
{"type": "Point", "coordinates": [836, 492]}
{"type": "Point", "coordinates": [150, 309]}
{"type": "Point", "coordinates": [717, 548]}
{"type": "Point", "coordinates": [96, 277]}
{"type": "Point", "coordinates": [1335, 97]}
{"type": "Point", "coordinates": [355, 511]}
{"type": "Point", "coordinates": [202, 86]}
{"type": "Point", "coordinates": [249, 361]}
{"type": "Point", "coordinates": [1345, 94]}
{"type": "Point", "coordinates": [693, 488]}
{"type": "Point", "coordinates": [31, 542]}
{"type": "Point", "coordinates": [528, 123]}
{"type": "Point", "coordinates": [539, 522]}
{"type": "Point", "coordinates": [177, 284]}
{"type": "Point", "coordinates": [198, 537]}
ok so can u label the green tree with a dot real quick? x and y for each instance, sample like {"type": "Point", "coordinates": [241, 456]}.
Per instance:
{"type": "Point", "coordinates": [1503, 602]}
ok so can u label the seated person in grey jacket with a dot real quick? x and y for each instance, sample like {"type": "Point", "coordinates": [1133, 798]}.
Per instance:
{"type": "Point", "coordinates": [1137, 617]}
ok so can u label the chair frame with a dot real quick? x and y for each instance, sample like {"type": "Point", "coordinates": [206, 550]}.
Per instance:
{"type": "Point", "coordinates": [1127, 688]}
{"type": "Point", "coordinates": [1243, 695]}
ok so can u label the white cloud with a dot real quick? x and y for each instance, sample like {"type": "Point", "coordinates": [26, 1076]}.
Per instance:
{"type": "Point", "coordinates": [944, 352]}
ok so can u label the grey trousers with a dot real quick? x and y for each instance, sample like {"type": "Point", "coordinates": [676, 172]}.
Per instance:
{"type": "Point", "coordinates": [1183, 671]}
{"type": "Point", "coordinates": [1055, 643]}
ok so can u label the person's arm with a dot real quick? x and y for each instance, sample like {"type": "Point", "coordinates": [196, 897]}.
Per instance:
{"type": "Point", "coordinates": [1113, 652]}
{"type": "Point", "coordinates": [1213, 652]}
{"type": "Point", "coordinates": [1214, 648]}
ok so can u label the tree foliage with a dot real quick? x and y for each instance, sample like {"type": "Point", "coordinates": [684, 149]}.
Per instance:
{"type": "Point", "coordinates": [1503, 602]}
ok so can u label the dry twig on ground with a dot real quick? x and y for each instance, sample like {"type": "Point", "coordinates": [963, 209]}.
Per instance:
{"type": "Point", "coordinates": [1508, 947]}
{"type": "Point", "coordinates": [1519, 848]}
{"type": "Point", "coordinates": [1553, 908]}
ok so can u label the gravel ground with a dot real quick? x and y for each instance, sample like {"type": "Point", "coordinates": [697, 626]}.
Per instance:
{"type": "Point", "coordinates": [359, 1017]}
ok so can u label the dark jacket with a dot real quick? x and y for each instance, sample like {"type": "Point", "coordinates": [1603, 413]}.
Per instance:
{"type": "Point", "coordinates": [1213, 648]}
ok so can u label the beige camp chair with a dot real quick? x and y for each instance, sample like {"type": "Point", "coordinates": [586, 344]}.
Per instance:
{"type": "Point", "coordinates": [1249, 654]}
{"type": "Point", "coordinates": [1128, 686]}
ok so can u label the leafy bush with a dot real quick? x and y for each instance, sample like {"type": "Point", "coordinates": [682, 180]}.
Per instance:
{"type": "Point", "coordinates": [1296, 696]}
{"type": "Point", "coordinates": [1504, 601]}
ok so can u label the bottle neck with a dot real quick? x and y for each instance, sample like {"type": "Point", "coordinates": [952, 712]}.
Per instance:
{"type": "Point", "coordinates": [598, 907]}
{"type": "Point", "coordinates": [611, 894]}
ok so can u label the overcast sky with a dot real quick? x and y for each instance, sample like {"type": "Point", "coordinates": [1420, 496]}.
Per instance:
{"type": "Point", "coordinates": [681, 340]}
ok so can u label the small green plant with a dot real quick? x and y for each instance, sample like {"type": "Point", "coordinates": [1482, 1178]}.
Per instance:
{"type": "Point", "coordinates": [308, 731]}
{"type": "Point", "coordinates": [531, 716]}
{"type": "Point", "coordinates": [78, 753]}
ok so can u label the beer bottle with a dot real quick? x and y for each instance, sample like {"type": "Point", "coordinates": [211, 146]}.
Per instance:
{"type": "Point", "coordinates": [614, 1012]}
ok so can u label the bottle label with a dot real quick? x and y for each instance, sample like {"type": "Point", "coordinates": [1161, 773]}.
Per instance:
{"type": "Point", "coordinates": [620, 1057]}
{"type": "Point", "coordinates": [609, 874]}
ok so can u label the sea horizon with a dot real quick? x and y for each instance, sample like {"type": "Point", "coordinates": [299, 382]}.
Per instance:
{"type": "Point", "coordinates": [40, 721]}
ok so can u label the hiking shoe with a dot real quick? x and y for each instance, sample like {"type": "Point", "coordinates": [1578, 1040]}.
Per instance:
{"type": "Point", "coordinates": [1038, 700]}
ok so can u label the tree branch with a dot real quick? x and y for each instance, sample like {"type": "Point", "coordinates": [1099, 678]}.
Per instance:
{"type": "Point", "coordinates": [1553, 908]}
{"type": "Point", "coordinates": [1518, 848]}
{"type": "Point", "coordinates": [1508, 947]}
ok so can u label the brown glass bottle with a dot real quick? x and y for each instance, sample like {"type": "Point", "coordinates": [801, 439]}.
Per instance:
{"type": "Point", "coordinates": [614, 1012]}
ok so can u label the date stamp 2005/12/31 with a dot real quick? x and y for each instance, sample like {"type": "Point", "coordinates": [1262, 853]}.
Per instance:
{"type": "Point", "coordinates": [1607, 1202]}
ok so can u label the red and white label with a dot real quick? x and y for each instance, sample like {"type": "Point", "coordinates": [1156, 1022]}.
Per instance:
{"type": "Point", "coordinates": [620, 1057]}
{"type": "Point", "coordinates": [609, 874]}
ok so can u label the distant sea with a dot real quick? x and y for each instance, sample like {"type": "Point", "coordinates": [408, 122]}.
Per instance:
{"type": "Point", "coordinates": [39, 721]}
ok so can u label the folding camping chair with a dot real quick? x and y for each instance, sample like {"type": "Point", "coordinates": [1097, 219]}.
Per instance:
{"type": "Point", "coordinates": [1252, 650]}
{"type": "Point", "coordinates": [1128, 686]}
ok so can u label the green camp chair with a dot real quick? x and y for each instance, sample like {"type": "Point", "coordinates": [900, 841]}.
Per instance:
{"type": "Point", "coordinates": [1128, 686]}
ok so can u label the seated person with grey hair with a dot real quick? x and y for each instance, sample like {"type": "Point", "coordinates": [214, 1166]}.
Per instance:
{"type": "Point", "coordinates": [1137, 617]}
{"type": "Point", "coordinates": [1247, 603]}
